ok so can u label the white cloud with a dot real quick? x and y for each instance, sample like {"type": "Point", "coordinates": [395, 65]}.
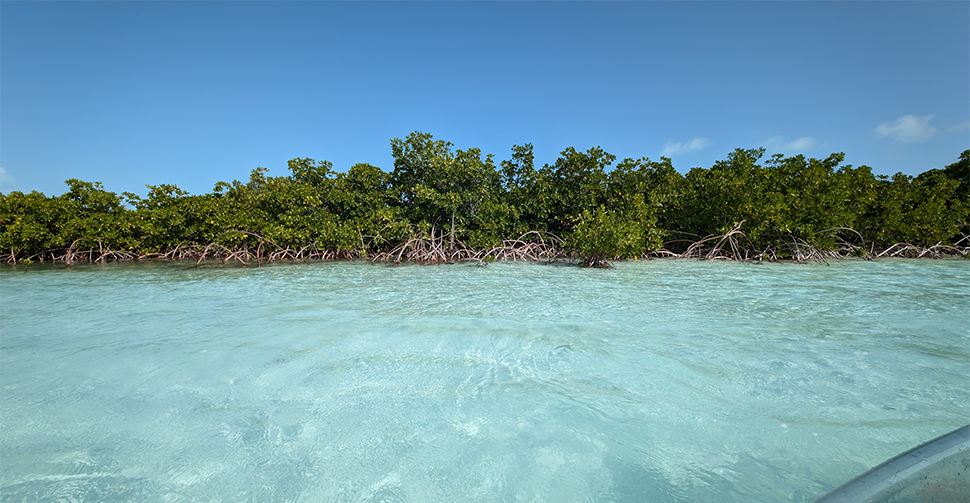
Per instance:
{"type": "Point", "coordinates": [958, 127]}
{"type": "Point", "coordinates": [908, 129]}
{"type": "Point", "coordinates": [778, 144]}
{"type": "Point", "coordinates": [6, 181]}
{"type": "Point", "coordinates": [696, 143]}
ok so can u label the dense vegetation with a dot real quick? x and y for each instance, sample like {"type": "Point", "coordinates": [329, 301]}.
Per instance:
{"type": "Point", "coordinates": [440, 204]}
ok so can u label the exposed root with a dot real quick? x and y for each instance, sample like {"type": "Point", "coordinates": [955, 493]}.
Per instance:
{"type": "Point", "coordinates": [266, 251]}
{"type": "Point", "coordinates": [436, 246]}
{"type": "Point", "coordinates": [728, 247]}
{"type": "Point", "coordinates": [533, 246]}
{"type": "Point", "coordinates": [428, 248]}
{"type": "Point", "coordinates": [906, 250]}
{"type": "Point", "coordinates": [441, 248]}
{"type": "Point", "coordinates": [717, 247]}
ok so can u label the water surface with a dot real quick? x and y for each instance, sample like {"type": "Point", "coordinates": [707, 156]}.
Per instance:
{"type": "Point", "coordinates": [667, 381]}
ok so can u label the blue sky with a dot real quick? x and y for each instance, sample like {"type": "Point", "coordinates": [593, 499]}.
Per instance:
{"type": "Point", "coordinates": [135, 93]}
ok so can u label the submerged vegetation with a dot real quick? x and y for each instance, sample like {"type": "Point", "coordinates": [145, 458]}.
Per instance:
{"type": "Point", "coordinates": [441, 205]}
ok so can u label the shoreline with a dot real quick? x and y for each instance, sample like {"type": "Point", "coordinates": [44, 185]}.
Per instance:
{"type": "Point", "coordinates": [533, 247]}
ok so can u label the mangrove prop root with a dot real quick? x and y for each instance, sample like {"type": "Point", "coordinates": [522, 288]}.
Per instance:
{"type": "Point", "coordinates": [438, 246]}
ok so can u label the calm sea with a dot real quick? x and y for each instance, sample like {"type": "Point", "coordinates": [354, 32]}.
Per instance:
{"type": "Point", "coordinates": [664, 381]}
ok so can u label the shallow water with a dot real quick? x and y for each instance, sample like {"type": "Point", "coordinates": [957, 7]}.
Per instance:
{"type": "Point", "coordinates": [667, 381]}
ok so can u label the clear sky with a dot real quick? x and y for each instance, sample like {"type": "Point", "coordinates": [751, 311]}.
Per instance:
{"type": "Point", "coordinates": [135, 93]}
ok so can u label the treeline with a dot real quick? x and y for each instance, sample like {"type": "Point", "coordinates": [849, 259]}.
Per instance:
{"type": "Point", "coordinates": [445, 204]}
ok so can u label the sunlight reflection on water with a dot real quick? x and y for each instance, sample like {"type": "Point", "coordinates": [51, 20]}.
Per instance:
{"type": "Point", "coordinates": [653, 381]}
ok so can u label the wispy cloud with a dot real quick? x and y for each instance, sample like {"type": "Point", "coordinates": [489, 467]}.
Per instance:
{"type": "Point", "coordinates": [696, 143]}
{"type": "Point", "coordinates": [778, 144]}
{"type": "Point", "coordinates": [908, 129]}
{"type": "Point", "coordinates": [958, 127]}
{"type": "Point", "coordinates": [7, 182]}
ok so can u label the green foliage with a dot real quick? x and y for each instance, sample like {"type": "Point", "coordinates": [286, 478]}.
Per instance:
{"type": "Point", "coordinates": [367, 206]}
{"type": "Point", "coordinates": [603, 211]}
{"type": "Point", "coordinates": [924, 211]}
{"type": "Point", "coordinates": [576, 182]}
{"type": "Point", "coordinates": [960, 172]}
{"type": "Point", "coordinates": [787, 199]}
{"type": "Point", "coordinates": [310, 172]}
{"type": "Point", "coordinates": [29, 223]}
{"type": "Point", "coordinates": [605, 234]}
{"type": "Point", "coordinates": [458, 191]}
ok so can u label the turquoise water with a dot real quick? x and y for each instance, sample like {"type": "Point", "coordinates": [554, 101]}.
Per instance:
{"type": "Point", "coordinates": [667, 381]}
